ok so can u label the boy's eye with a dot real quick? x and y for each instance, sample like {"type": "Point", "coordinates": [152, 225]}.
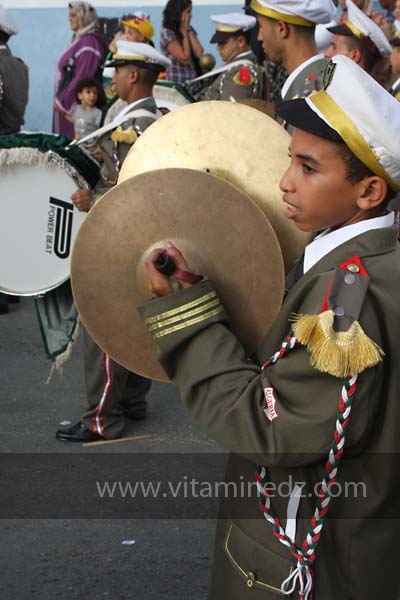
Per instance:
{"type": "Point", "coordinates": [307, 168]}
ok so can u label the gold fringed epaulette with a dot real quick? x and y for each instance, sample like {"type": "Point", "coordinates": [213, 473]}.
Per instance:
{"type": "Point", "coordinates": [339, 353]}
{"type": "Point", "coordinates": [335, 339]}
{"type": "Point", "coordinates": [124, 136]}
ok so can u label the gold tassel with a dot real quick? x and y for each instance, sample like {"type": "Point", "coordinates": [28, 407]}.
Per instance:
{"type": "Point", "coordinates": [339, 353]}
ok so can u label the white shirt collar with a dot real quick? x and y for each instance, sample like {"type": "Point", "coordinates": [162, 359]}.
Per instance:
{"type": "Point", "coordinates": [298, 70]}
{"type": "Point", "coordinates": [328, 240]}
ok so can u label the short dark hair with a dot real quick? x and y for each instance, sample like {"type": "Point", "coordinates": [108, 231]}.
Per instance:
{"type": "Point", "coordinates": [245, 34]}
{"type": "Point", "coordinates": [4, 37]}
{"type": "Point", "coordinates": [356, 171]}
{"type": "Point", "coordinates": [147, 76]}
{"type": "Point", "coordinates": [369, 58]}
{"type": "Point", "coordinates": [86, 82]}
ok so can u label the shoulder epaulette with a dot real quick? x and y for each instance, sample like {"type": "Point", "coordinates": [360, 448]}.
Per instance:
{"type": "Point", "coordinates": [335, 339]}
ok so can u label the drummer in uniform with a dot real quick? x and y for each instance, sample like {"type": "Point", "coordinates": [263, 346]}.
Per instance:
{"type": "Point", "coordinates": [360, 39]}
{"type": "Point", "coordinates": [113, 392]}
{"type": "Point", "coordinates": [287, 31]}
{"type": "Point", "coordinates": [325, 380]}
{"type": "Point", "coordinates": [13, 94]}
{"type": "Point", "coordinates": [242, 76]}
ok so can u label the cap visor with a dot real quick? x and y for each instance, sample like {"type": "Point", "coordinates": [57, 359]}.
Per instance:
{"type": "Point", "coordinates": [340, 30]}
{"type": "Point", "coordinates": [394, 41]}
{"type": "Point", "coordinates": [219, 37]}
{"type": "Point", "coordinates": [298, 114]}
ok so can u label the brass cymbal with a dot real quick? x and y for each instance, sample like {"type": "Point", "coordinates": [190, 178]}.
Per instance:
{"type": "Point", "coordinates": [233, 141]}
{"type": "Point", "coordinates": [229, 241]}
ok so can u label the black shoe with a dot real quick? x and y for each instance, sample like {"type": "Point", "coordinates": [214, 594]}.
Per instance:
{"type": "Point", "coordinates": [3, 309]}
{"type": "Point", "coordinates": [77, 433]}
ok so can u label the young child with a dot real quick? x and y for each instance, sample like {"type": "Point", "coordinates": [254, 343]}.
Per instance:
{"type": "Point", "coordinates": [85, 115]}
{"type": "Point", "coordinates": [326, 380]}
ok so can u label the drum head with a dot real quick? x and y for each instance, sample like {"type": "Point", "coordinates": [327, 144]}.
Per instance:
{"type": "Point", "coordinates": [37, 228]}
{"type": "Point", "coordinates": [229, 240]}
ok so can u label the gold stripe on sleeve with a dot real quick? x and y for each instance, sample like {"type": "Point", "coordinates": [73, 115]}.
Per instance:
{"type": "Point", "coordinates": [186, 315]}
{"type": "Point", "coordinates": [189, 323]}
{"type": "Point", "coordinates": [180, 309]}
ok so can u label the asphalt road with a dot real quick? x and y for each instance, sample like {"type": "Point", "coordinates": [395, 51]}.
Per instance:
{"type": "Point", "coordinates": [58, 540]}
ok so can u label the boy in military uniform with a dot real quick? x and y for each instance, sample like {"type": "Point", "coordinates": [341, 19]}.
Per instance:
{"type": "Point", "coordinates": [325, 381]}
{"type": "Point", "coordinates": [241, 76]}
{"type": "Point", "coordinates": [113, 392]}
{"type": "Point", "coordinates": [287, 31]}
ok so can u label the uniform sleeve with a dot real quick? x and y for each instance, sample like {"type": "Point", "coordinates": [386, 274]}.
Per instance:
{"type": "Point", "coordinates": [88, 58]}
{"type": "Point", "coordinates": [228, 394]}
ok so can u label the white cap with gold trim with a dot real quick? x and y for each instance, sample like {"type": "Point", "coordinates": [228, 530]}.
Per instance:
{"type": "Point", "coordinates": [296, 12]}
{"type": "Point", "coordinates": [230, 23]}
{"type": "Point", "coordinates": [7, 22]}
{"type": "Point", "coordinates": [142, 55]}
{"type": "Point", "coordinates": [359, 25]}
{"type": "Point", "coordinates": [356, 109]}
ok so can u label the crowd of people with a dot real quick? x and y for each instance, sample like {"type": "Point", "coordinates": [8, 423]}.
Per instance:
{"type": "Point", "coordinates": [336, 94]}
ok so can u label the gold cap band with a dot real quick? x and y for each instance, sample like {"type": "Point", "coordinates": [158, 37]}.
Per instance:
{"type": "Point", "coordinates": [278, 16]}
{"type": "Point", "coordinates": [355, 30]}
{"type": "Point", "coordinates": [227, 29]}
{"type": "Point", "coordinates": [338, 119]}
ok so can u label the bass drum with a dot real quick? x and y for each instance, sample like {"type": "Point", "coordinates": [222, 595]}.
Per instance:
{"type": "Point", "coordinates": [169, 96]}
{"type": "Point", "coordinates": [39, 222]}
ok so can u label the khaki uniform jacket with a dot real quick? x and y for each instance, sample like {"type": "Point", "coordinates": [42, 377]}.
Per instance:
{"type": "Point", "coordinates": [116, 144]}
{"type": "Point", "coordinates": [229, 85]}
{"type": "Point", "coordinates": [14, 78]}
{"type": "Point", "coordinates": [357, 556]}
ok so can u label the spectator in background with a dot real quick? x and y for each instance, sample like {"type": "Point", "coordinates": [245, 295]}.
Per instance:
{"type": "Point", "coordinates": [179, 41]}
{"type": "Point", "coordinates": [85, 115]}
{"type": "Point", "coordinates": [83, 58]}
{"type": "Point", "coordinates": [13, 97]}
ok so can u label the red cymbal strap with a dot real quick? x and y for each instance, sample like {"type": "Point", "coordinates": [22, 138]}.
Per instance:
{"type": "Point", "coordinates": [186, 276]}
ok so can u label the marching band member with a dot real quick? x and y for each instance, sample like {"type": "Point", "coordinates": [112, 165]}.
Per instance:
{"type": "Point", "coordinates": [113, 392]}
{"type": "Point", "coordinates": [325, 381]}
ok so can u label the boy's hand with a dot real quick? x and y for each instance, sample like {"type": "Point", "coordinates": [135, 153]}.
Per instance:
{"type": "Point", "coordinates": [159, 284]}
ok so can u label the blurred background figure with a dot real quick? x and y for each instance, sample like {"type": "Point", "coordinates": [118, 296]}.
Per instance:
{"type": "Point", "coordinates": [323, 37]}
{"type": "Point", "coordinates": [362, 40]}
{"type": "Point", "coordinates": [243, 79]}
{"type": "Point", "coordinates": [83, 58]}
{"type": "Point", "coordinates": [13, 97]}
{"type": "Point", "coordinates": [136, 27]}
{"type": "Point", "coordinates": [85, 115]}
{"type": "Point", "coordinates": [179, 42]}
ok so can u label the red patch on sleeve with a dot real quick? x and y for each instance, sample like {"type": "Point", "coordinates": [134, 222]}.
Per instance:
{"type": "Point", "coordinates": [244, 75]}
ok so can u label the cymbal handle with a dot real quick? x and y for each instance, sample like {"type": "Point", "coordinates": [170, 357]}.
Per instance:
{"type": "Point", "coordinates": [165, 264]}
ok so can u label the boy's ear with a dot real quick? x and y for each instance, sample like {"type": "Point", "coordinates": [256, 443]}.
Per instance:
{"type": "Point", "coordinates": [373, 191]}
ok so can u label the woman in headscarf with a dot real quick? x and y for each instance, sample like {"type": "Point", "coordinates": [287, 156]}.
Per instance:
{"type": "Point", "coordinates": [81, 59]}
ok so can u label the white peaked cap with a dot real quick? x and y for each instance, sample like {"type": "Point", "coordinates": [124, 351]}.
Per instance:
{"type": "Point", "coordinates": [361, 26]}
{"type": "Point", "coordinates": [323, 37]}
{"type": "Point", "coordinates": [231, 22]}
{"type": "Point", "coordinates": [137, 51]}
{"type": "Point", "coordinates": [364, 114]}
{"type": "Point", "coordinates": [7, 22]}
{"type": "Point", "coordinates": [297, 12]}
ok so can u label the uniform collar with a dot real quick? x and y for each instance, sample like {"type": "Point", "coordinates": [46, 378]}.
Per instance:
{"type": "Point", "coordinates": [296, 72]}
{"type": "Point", "coordinates": [328, 240]}
{"type": "Point", "coordinates": [147, 102]}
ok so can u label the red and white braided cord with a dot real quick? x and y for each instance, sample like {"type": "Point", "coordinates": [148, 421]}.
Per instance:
{"type": "Point", "coordinates": [302, 576]}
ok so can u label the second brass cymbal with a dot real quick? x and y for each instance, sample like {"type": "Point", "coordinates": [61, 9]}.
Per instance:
{"type": "Point", "coordinates": [231, 140]}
